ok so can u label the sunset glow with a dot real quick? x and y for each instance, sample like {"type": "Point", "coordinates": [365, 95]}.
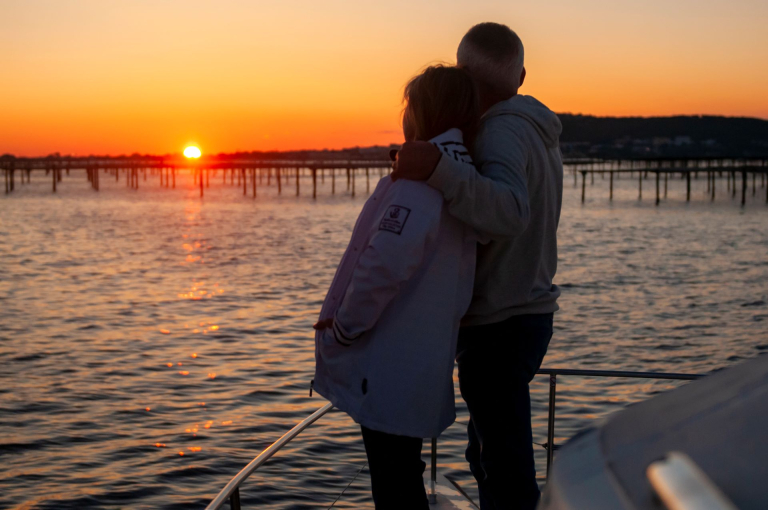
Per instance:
{"type": "Point", "coordinates": [297, 75]}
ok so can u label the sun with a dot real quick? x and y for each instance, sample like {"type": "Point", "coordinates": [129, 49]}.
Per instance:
{"type": "Point", "coordinates": [192, 152]}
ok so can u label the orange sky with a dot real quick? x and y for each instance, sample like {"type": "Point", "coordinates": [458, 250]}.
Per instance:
{"type": "Point", "coordinates": [151, 76]}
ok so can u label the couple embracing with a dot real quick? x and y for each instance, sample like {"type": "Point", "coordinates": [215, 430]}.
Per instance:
{"type": "Point", "coordinates": [451, 259]}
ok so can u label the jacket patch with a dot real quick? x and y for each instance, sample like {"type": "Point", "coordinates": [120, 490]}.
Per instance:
{"type": "Point", "coordinates": [394, 219]}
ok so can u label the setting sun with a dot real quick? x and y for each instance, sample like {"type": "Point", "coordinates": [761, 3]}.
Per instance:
{"type": "Point", "coordinates": [192, 152]}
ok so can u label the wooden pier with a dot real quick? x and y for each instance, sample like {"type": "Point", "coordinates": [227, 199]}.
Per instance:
{"type": "Point", "coordinates": [252, 174]}
{"type": "Point", "coordinates": [246, 174]}
{"type": "Point", "coordinates": [684, 169]}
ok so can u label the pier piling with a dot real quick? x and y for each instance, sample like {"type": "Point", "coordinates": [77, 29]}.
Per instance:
{"type": "Point", "coordinates": [611, 194]}
{"type": "Point", "coordinates": [658, 176]}
{"type": "Point", "coordinates": [743, 188]}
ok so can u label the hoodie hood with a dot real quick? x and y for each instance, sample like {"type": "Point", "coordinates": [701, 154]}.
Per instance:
{"type": "Point", "coordinates": [544, 120]}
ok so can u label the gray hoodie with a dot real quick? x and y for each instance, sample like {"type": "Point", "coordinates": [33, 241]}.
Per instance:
{"type": "Point", "coordinates": [514, 197]}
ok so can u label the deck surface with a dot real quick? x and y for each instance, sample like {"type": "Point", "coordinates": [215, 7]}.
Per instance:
{"type": "Point", "coordinates": [449, 497]}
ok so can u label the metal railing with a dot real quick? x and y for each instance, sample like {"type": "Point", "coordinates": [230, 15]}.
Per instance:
{"type": "Point", "coordinates": [554, 372]}
{"type": "Point", "coordinates": [231, 492]}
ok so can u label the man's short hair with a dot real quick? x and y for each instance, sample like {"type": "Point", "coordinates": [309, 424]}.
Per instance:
{"type": "Point", "coordinates": [494, 55]}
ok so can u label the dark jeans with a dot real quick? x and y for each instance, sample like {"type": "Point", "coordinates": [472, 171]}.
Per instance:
{"type": "Point", "coordinates": [496, 363]}
{"type": "Point", "coordinates": [396, 470]}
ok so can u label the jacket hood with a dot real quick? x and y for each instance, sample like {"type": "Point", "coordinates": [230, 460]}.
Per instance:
{"type": "Point", "coordinates": [545, 121]}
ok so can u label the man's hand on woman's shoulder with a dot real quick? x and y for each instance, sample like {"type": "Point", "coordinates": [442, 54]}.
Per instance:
{"type": "Point", "coordinates": [416, 161]}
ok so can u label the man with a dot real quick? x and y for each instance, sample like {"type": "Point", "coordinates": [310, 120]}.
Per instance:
{"type": "Point", "coordinates": [515, 198]}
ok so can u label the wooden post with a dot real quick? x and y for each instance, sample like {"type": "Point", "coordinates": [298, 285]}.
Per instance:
{"type": "Point", "coordinates": [322, 175]}
{"type": "Point", "coordinates": [279, 171]}
{"type": "Point", "coordinates": [207, 177]}
{"type": "Point", "coordinates": [352, 172]}
{"type": "Point", "coordinates": [640, 184]}
{"type": "Point", "coordinates": [53, 172]}
{"type": "Point", "coordinates": [349, 178]}
{"type": "Point", "coordinates": [245, 182]}
{"type": "Point", "coordinates": [201, 184]}
{"type": "Point", "coordinates": [666, 178]}
{"type": "Point", "coordinates": [297, 181]}
{"type": "Point", "coordinates": [688, 187]}
{"type": "Point", "coordinates": [743, 188]}
{"type": "Point", "coordinates": [583, 185]}
{"type": "Point", "coordinates": [611, 196]}
{"type": "Point", "coordinates": [333, 181]}
{"type": "Point", "coordinates": [314, 182]}
{"type": "Point", "coordinates": [253, 176]}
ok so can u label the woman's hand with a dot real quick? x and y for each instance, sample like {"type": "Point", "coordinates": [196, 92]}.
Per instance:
{"type": "Point", "coordinates": [324, 324]}
{"type": "Point", "coordinates": [416, 161]}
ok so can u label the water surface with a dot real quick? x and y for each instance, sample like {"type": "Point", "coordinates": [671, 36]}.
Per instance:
{"type": "Point", "coordinates": [152, 343]}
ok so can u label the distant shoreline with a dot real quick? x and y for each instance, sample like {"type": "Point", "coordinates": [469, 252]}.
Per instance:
{"type": "Point", "coordinates": [583, 136]}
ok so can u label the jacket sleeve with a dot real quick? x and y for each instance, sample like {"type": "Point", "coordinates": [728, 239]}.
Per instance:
{"type": "Point", "coordinates": [493, 200]}
{"type": "Point", "coordinates": [405, 232]}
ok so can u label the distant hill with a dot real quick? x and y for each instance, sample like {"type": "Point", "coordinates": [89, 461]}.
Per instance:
{"type": "Point", "coordinates": [586, 136]}
{"type": "Point", "coordinates": [664, 136]}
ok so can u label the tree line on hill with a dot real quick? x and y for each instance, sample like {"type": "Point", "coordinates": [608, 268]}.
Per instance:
{"type": "Point", "coordinates": [584, 136]}
{"type": "Point", "coordinates": [679, 136]}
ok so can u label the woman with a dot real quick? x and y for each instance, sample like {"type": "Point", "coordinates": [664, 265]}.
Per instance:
{"type": "Point", "coordinates": [387, 331]}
